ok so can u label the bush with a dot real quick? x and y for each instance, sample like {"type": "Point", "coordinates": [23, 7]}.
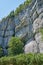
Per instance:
{"type": "Point", "coordinates": [15, 46]}
{"type": "Point", "coordinates": [23, 59]}
{"type": "Point", "coordinates": [11, 14]}
{"type": "Point", "coordinates": [1, 52]}
{"type": "Point", "coordinates": [41, 31]}
{"type": "Point", "coordinates": [22, 6]}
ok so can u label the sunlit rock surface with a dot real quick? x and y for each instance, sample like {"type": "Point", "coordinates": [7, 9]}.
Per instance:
{"type": "Point", "coordinates": [38, 38]}
{"type": "Point", "coordinates": [36, 45]}
{"type": "Point", "coordinates": [31, 47]}
{"type": "Point", "coordinates": [38, 23]}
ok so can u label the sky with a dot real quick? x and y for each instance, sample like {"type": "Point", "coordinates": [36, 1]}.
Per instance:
{"type": "Point", "coordinates": [6, 6]}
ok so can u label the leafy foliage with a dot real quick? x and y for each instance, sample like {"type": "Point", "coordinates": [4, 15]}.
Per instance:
{"type": "Point", "coordinates": [22, 6]}
{"type": "Point", "coordinates": [18, 9]}
{"type": "Point", "coordinates": [1, 52]}
{"type": "Point", "coordinates": [23, 59]}
{"type": "Point", "coordinates": [41, 30]}
{"type": "Point", "coordinates": [15, 46]}
{"type": "Point", "coordinates": [11, 14]}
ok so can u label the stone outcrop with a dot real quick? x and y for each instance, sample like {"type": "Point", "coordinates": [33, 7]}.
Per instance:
{"type": "Point", "coordinates": [25, 24]}
{"type": "Point", "coordinates": [31, 47]}
{"type": "Point", "coordinates": [6, 32]}
{"type": "Point", "coordinates": [37, 17]}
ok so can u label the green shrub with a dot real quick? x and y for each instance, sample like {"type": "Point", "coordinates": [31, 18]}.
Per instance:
{"type": "Point", "coordinates": [11, 14]}
{"type": "Point", "coordinates": [15, 46]}
{"type": "Point", "coordinates": [23, 59]}
{"type": "Point", "coordinates": [20, 8]}
{"type": "Point", "coordinates": [36, 60]}
{"type": "Point", "coordinates": [41, 30]}
{"type": "Point", "coordinates": [1, 52]}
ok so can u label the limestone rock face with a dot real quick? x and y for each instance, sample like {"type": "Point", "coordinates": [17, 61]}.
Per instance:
{"type": "Point", "coordinates": [38, 38]}
{"type": "Point", "coordinates": [6, 32]}
{"type": "Point", "coordinates": [38, 23]}
{"type": "Point", "coordinates": [24, 25]}
{"type": "Point", "coordinates": [36, 45]}
{"type": "Point", "coordinates": [31, 47]}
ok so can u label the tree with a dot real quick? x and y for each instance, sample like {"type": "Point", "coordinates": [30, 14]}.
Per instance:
{"type": "Point", "coordinates": [15, 46]}
{"type": "Point", "coordinates": [11, 14]}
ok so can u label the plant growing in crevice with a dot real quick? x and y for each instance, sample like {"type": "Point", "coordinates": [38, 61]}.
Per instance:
{"type": "Point", "coordinates": [1, 52]}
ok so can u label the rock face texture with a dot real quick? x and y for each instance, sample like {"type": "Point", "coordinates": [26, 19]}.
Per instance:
{"type": "Point", "coordinates": [25, 25]}
{"type": "Point", "coordinates": [36, 45]}
{"type": "Point", "coordinates": [6, 32]}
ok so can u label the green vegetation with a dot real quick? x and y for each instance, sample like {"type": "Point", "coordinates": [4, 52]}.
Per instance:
{"type": "Point", "coordinates": [20, 8]}
{"type": "Point", "coordinates": [41, 30]}
{"type": "Point", "coordinates": [23, 59]}
{"type": "Point", "coordinates": [11, 14]}
{"type": "Point", "coordinates": [15, 46]}
{"type": "Point", "coordinates": [1, 52]}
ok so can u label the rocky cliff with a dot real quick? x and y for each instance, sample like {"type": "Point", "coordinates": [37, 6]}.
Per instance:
{"type": "Point", "coordinates": [25, 25]}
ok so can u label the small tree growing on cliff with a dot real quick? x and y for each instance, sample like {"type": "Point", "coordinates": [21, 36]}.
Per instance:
{"type": "Point", "coordinates": [15, 46]}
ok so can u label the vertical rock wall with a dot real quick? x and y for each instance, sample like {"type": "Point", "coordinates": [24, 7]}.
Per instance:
{"type": "Point", "coordinates": [37, 18]}
{"type": "Point", "coordinates": [25, 24]}
{"type": "Point", "coordinates": [6, 32]}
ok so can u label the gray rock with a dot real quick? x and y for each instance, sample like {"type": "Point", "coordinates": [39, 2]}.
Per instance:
{"type": "Point", "coordinates": [26, 23]}
{"type": "Point", "coordinates": [38, 23]}
{"type": "Point", "coordinates": [38, 38]}
{"type": "Point", "coordinates": [31, 47]}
